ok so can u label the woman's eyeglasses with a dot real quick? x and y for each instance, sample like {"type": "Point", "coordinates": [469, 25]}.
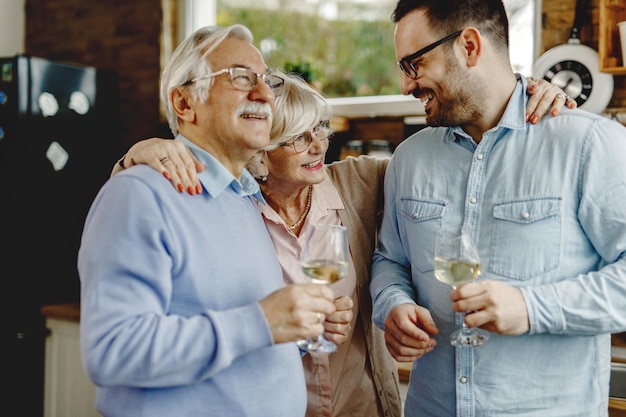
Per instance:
{"type": "Point", "coordinates": [303, 141]}
{"type": "Point", "coordinates": [244, 79]}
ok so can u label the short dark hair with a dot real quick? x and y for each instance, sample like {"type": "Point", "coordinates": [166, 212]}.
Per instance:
{"type": "Point", "coordinates": [448, 16]}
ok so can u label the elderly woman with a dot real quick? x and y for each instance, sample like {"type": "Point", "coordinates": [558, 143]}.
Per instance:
{"type": "Point", "coordinates": [360, 378]}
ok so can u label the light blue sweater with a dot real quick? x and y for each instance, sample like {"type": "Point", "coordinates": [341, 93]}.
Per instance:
{"type": "Point", "coordinates": [170, 321]}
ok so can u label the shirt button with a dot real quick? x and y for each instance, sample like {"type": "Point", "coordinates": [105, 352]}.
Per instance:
{"type": "Point", "coordinates": [463, 380]}
{"type": "Point", "coordinates": [473, 200]}
{"type": "Point", "coordinates": [526, 215]}
{"type": "Point", "coordinates": [479, 156]}
{"type": "Point", "coordinates": [414, 215]}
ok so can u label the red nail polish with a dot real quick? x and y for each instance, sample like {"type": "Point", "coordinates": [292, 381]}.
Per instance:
{"type": "Point", "coordinates": [167, 175]}
{"type": "Point", "coordinates": [180, 188]}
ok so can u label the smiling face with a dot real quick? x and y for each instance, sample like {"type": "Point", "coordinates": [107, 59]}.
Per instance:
{"type": "Point", "coordinates": [291, 170]}
{"type": "Point", "coordinates": [443, 83]}
{"type": "Point", "coordinates": [232, 124]}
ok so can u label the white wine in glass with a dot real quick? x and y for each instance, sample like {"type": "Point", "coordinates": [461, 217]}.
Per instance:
{"type": "Point", "coordinates": [324, 259]}
{"type": "Point", "coordinates": [325, 271]}
{"type": "Point", "coordinates": [456, 272]}
{"type": "Point", "coordinates": [457, 263]}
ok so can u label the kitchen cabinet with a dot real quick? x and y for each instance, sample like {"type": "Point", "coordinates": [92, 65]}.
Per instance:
{"type": "Point", "coordinates": [68, 392]}
{"type": "Point", "coordinates": [609, 46]}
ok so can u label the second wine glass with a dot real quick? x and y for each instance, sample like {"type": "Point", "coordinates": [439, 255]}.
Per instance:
{"type": "Point", "coordinates": [457, 263]}
{"type": "Point", "coordinates": [324, 259]}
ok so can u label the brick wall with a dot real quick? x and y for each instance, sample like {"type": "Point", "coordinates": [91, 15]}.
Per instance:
{"type": "Point", "coordinates": [120, 35]}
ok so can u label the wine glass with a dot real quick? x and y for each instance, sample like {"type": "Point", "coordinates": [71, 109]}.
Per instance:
{"type": "Point", "coordinates": [457, 263]}
{"type": "Point", "coordinates": [324, 259]}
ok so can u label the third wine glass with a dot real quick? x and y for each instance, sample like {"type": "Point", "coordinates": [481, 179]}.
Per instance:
{"type": "Point", "coordinates": [457, 263]}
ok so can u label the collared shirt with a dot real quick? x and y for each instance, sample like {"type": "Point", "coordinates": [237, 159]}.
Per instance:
{"type": "Point", "coordinates": [171, 323]}
{"type": "Point", "coordinates": [546, 204]}
{"type": "Point", "coordinates": [338, 384]}
{"type": "Point", "coordinates": [216, 178]}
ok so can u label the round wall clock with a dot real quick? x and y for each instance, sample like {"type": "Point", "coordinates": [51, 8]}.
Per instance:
{"type": "Point", "coordinates": [575, 69]}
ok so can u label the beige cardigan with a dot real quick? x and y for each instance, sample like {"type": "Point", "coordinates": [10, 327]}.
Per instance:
{"type": "Point", "coordinates": [360, 185]}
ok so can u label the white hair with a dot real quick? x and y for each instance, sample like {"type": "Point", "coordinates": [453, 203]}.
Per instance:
{"type": "Point", "coordinates": [189, 61]}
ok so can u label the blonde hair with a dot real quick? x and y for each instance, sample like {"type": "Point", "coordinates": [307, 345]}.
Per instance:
{"type": "Point", "coordinates": [298, 108]}
{"type": "Point", "coordinates": [189, 61]}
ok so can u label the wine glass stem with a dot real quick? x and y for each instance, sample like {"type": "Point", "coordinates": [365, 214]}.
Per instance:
{"type": "Point", "coordinates": [464, 327]}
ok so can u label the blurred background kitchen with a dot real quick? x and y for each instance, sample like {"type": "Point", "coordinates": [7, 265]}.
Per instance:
{"type": "Point", "coordinates": [79, 85]}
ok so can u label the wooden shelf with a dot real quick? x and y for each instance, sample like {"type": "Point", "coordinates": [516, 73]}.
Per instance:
{"type": "Point", "coordinates": [609, 46]}
{"type": "Point", "coordinates": [614, 70]}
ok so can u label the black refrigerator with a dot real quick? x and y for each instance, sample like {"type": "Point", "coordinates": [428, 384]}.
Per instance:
{"type": "Point", "coordinates": [59, 138]}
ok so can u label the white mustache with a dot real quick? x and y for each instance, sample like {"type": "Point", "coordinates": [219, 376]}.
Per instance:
{"type": "Point", "coordinates": [254, 107]}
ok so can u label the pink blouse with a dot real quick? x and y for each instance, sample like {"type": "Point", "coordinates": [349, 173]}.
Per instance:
{"type": "Point", "coordinates": [339, 384]}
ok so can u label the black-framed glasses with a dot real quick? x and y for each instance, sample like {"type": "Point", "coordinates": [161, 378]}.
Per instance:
{"type": "Point", "coordinates": [303, 141]}
{"type": "Point", "coordinates": [407, 64]}
{"type": "Point", "coordinates": [244, 79]}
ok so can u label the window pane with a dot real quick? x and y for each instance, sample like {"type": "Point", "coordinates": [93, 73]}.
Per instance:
{"type": "Point", "coordinates": [521, 15]}
{"type": "Point", "coordinates": [346, 46]}
{"type": "Point", "coordinates": [347, 56]}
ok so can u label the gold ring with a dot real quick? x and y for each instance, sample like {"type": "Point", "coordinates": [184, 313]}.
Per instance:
{"type": "Point", "coordinates": [164, 159]}
{"type": "Point", "coordinates": [320, 318]}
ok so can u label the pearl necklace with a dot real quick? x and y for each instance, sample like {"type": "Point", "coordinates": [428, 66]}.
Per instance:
{"type": "Point", "coordinates": [297, 224]}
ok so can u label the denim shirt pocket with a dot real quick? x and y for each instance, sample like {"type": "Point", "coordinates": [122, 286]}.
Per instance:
{"type": "Point", "coordinates": [422, 220]}
{"type": "Point", "coordinates": [526, 239]}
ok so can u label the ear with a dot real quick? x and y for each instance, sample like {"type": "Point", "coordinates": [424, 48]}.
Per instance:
{"type": "Point", "coordinates": [472, 45]}
{"type": "Point", "coordinates": [182, 104]}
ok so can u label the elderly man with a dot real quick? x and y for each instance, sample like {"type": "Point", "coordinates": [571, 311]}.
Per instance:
{"type": "Point", "coordinates": [184, 312]}
{"type": "Point", "coordinates": [546, 205]}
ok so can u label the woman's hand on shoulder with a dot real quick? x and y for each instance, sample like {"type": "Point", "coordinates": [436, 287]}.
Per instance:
{"type": "Point", "coordinates": [170, 157]}
{"type": "Point", "coordinates": [543, 97]}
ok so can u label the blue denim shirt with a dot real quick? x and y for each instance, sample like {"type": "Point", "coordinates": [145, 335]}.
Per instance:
{"type": "Point", "coordinates": [546, 204]}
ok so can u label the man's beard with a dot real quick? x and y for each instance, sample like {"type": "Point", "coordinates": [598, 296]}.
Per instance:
{"type": "Point", "coordinates": [461, 101]}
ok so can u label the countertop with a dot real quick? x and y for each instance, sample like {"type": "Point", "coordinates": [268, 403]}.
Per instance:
{"type": "Point", "coordinates": [70, 311]}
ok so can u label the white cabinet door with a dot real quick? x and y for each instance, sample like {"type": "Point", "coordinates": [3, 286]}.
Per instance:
{"type": "Point", "coordinates": [68, 391]}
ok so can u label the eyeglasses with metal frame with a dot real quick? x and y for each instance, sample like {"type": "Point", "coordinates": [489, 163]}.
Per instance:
{"type": "Point", "coordinates": [303, 141]}
{"type": "Point", "coordinates": [245, 79]}
{"type": "Point", "coordinates": [408, 63]}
